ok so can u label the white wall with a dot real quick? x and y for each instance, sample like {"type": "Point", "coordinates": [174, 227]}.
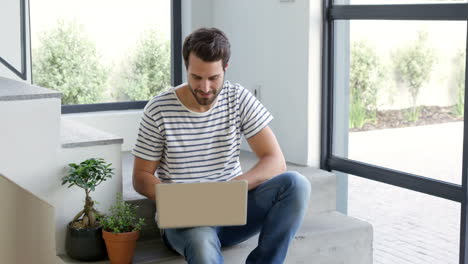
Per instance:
{"type": "Point", "coordinates": [10, 30]}
{"type": "Point", "coordinates": [10, 45]}
{"type": "Point", "coordinates": [195, 15]}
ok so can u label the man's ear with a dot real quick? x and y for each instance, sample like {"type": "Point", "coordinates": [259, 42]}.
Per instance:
{"type": "Point", "coordinates": [226, 66]}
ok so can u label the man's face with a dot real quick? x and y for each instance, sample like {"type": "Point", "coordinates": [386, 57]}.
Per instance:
{"type": "Point", "coordinates": [205, 79]}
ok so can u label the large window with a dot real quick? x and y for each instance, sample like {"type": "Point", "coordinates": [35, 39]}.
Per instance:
{"type": "Point", "coordinates": [105, 55]}
{"type": "Point", "coordinates": [393, 118]}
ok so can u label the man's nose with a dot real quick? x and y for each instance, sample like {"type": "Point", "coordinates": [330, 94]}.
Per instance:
{"type": "Point", "coordinates": [205, 86]}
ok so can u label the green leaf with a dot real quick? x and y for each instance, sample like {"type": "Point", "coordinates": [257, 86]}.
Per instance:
{"type": "Point", "coordinates": [122, 217]}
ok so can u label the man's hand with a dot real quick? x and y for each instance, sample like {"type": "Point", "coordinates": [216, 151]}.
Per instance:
{"type": "Point", "coordinates": [271, 160]}
{"type": "Point", "coordinates": [143, 177]}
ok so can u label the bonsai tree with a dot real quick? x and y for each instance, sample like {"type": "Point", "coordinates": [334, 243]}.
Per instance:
{"type": "Point", "coordinates": [122, 217]}
{"type": "Point", "coordinates": [87, 175]}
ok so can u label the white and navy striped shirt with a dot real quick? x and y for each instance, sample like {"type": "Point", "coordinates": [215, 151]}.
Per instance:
{"type": "Point", "coordinates": [199, 147]}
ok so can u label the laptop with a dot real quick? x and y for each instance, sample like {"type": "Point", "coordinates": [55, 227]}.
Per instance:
{"type": "Point", "coordinates": [201, 204]}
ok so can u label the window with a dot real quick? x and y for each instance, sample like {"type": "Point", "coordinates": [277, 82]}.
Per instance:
{"type": "Point", "coordinates": [393, 112]}
{"type": "Point", "coordinates": [105, 55]}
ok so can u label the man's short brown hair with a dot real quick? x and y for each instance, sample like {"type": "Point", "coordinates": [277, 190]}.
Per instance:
{"type": "Point", "coordinates": [209, 44]}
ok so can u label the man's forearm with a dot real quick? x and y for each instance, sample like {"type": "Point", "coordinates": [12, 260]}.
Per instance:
{"type": "Point", "coordinates": [266, 168]}
{"type": "Point", "coordinates": [145, 184]}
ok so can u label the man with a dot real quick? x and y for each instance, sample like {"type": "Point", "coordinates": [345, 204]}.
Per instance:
{"type": "Point", "coordinates": [192, 133]}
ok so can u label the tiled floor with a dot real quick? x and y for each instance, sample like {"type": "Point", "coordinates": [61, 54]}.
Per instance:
{"type": "Point", "coordinates": [409, 227]}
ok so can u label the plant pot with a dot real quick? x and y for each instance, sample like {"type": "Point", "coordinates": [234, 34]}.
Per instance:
{"type": "Point", "coordinates": [120, 246]}
{"type": "Point", "coordinates": [85, 244]}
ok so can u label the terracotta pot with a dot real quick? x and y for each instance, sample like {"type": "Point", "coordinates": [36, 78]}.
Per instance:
{"type": "Point", "coordinates": [120, 246]}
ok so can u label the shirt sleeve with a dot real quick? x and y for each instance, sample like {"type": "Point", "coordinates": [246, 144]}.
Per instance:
{"type": "Point", "coordinates": [254, 116]}
{"type": "Point", "coordinates": [150, 141]}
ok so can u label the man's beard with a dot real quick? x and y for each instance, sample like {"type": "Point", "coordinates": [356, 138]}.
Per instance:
{"type": "Point", "coordinates": [206, 101]}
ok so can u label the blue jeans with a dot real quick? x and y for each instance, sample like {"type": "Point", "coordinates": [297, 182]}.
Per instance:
{"type": "Point", "coordinates": [275, 209]}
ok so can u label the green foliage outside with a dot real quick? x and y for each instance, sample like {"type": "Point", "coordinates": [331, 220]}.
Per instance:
{"type": "Point", "coordinates": [87, 175]}
{"type": "Point", "coordinates": [67, 61]}
{"type": "Point", "coordinates": [460, 84]}
{"type": "Point", "coordinates": [366, 77]}
{"type": "Point", "coordinates": [122, 217]}
{"type": "Point", "coordinates": [413, 65]}
{"type": "Point", "coordinates": [148, 70]}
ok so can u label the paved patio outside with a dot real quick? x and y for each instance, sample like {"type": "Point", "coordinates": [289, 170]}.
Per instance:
{"type": "Point", "coordinates": [409, 227]}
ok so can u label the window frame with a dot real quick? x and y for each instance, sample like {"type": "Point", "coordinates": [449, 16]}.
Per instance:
{"type": "Point", "coordinates": [329, 162]}
{"type": "Point", "coordinates": [176, 70]}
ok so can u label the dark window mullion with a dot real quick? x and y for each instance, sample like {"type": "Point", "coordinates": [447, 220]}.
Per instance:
{"type": "Point", "coordinates": [405, 180]}
{"type": "Point", "coordinates": [176, 42]}
{"type": "Point", "coordinates": [23, 40]}
{"type": "Point", "coordinates": [400, 12]}
{"type": "Point", "coordinates": [78, 108]}
{"type": "Point", "coordinates": [327, 91]}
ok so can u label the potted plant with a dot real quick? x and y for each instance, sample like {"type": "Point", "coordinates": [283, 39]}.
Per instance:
{"type": "Point", "coordinates": [121, 230]}
{"type": "Point", "coordinates": [84, 233]}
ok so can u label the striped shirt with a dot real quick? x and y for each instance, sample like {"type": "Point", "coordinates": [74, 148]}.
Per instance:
{"type": "Point", "coordinates": [199, 147]}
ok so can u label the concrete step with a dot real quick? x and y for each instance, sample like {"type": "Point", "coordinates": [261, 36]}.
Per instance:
{"type": "Point", "coordinates": [75, 134]}
{"type": "Point", "coordinates": [325, 238]}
